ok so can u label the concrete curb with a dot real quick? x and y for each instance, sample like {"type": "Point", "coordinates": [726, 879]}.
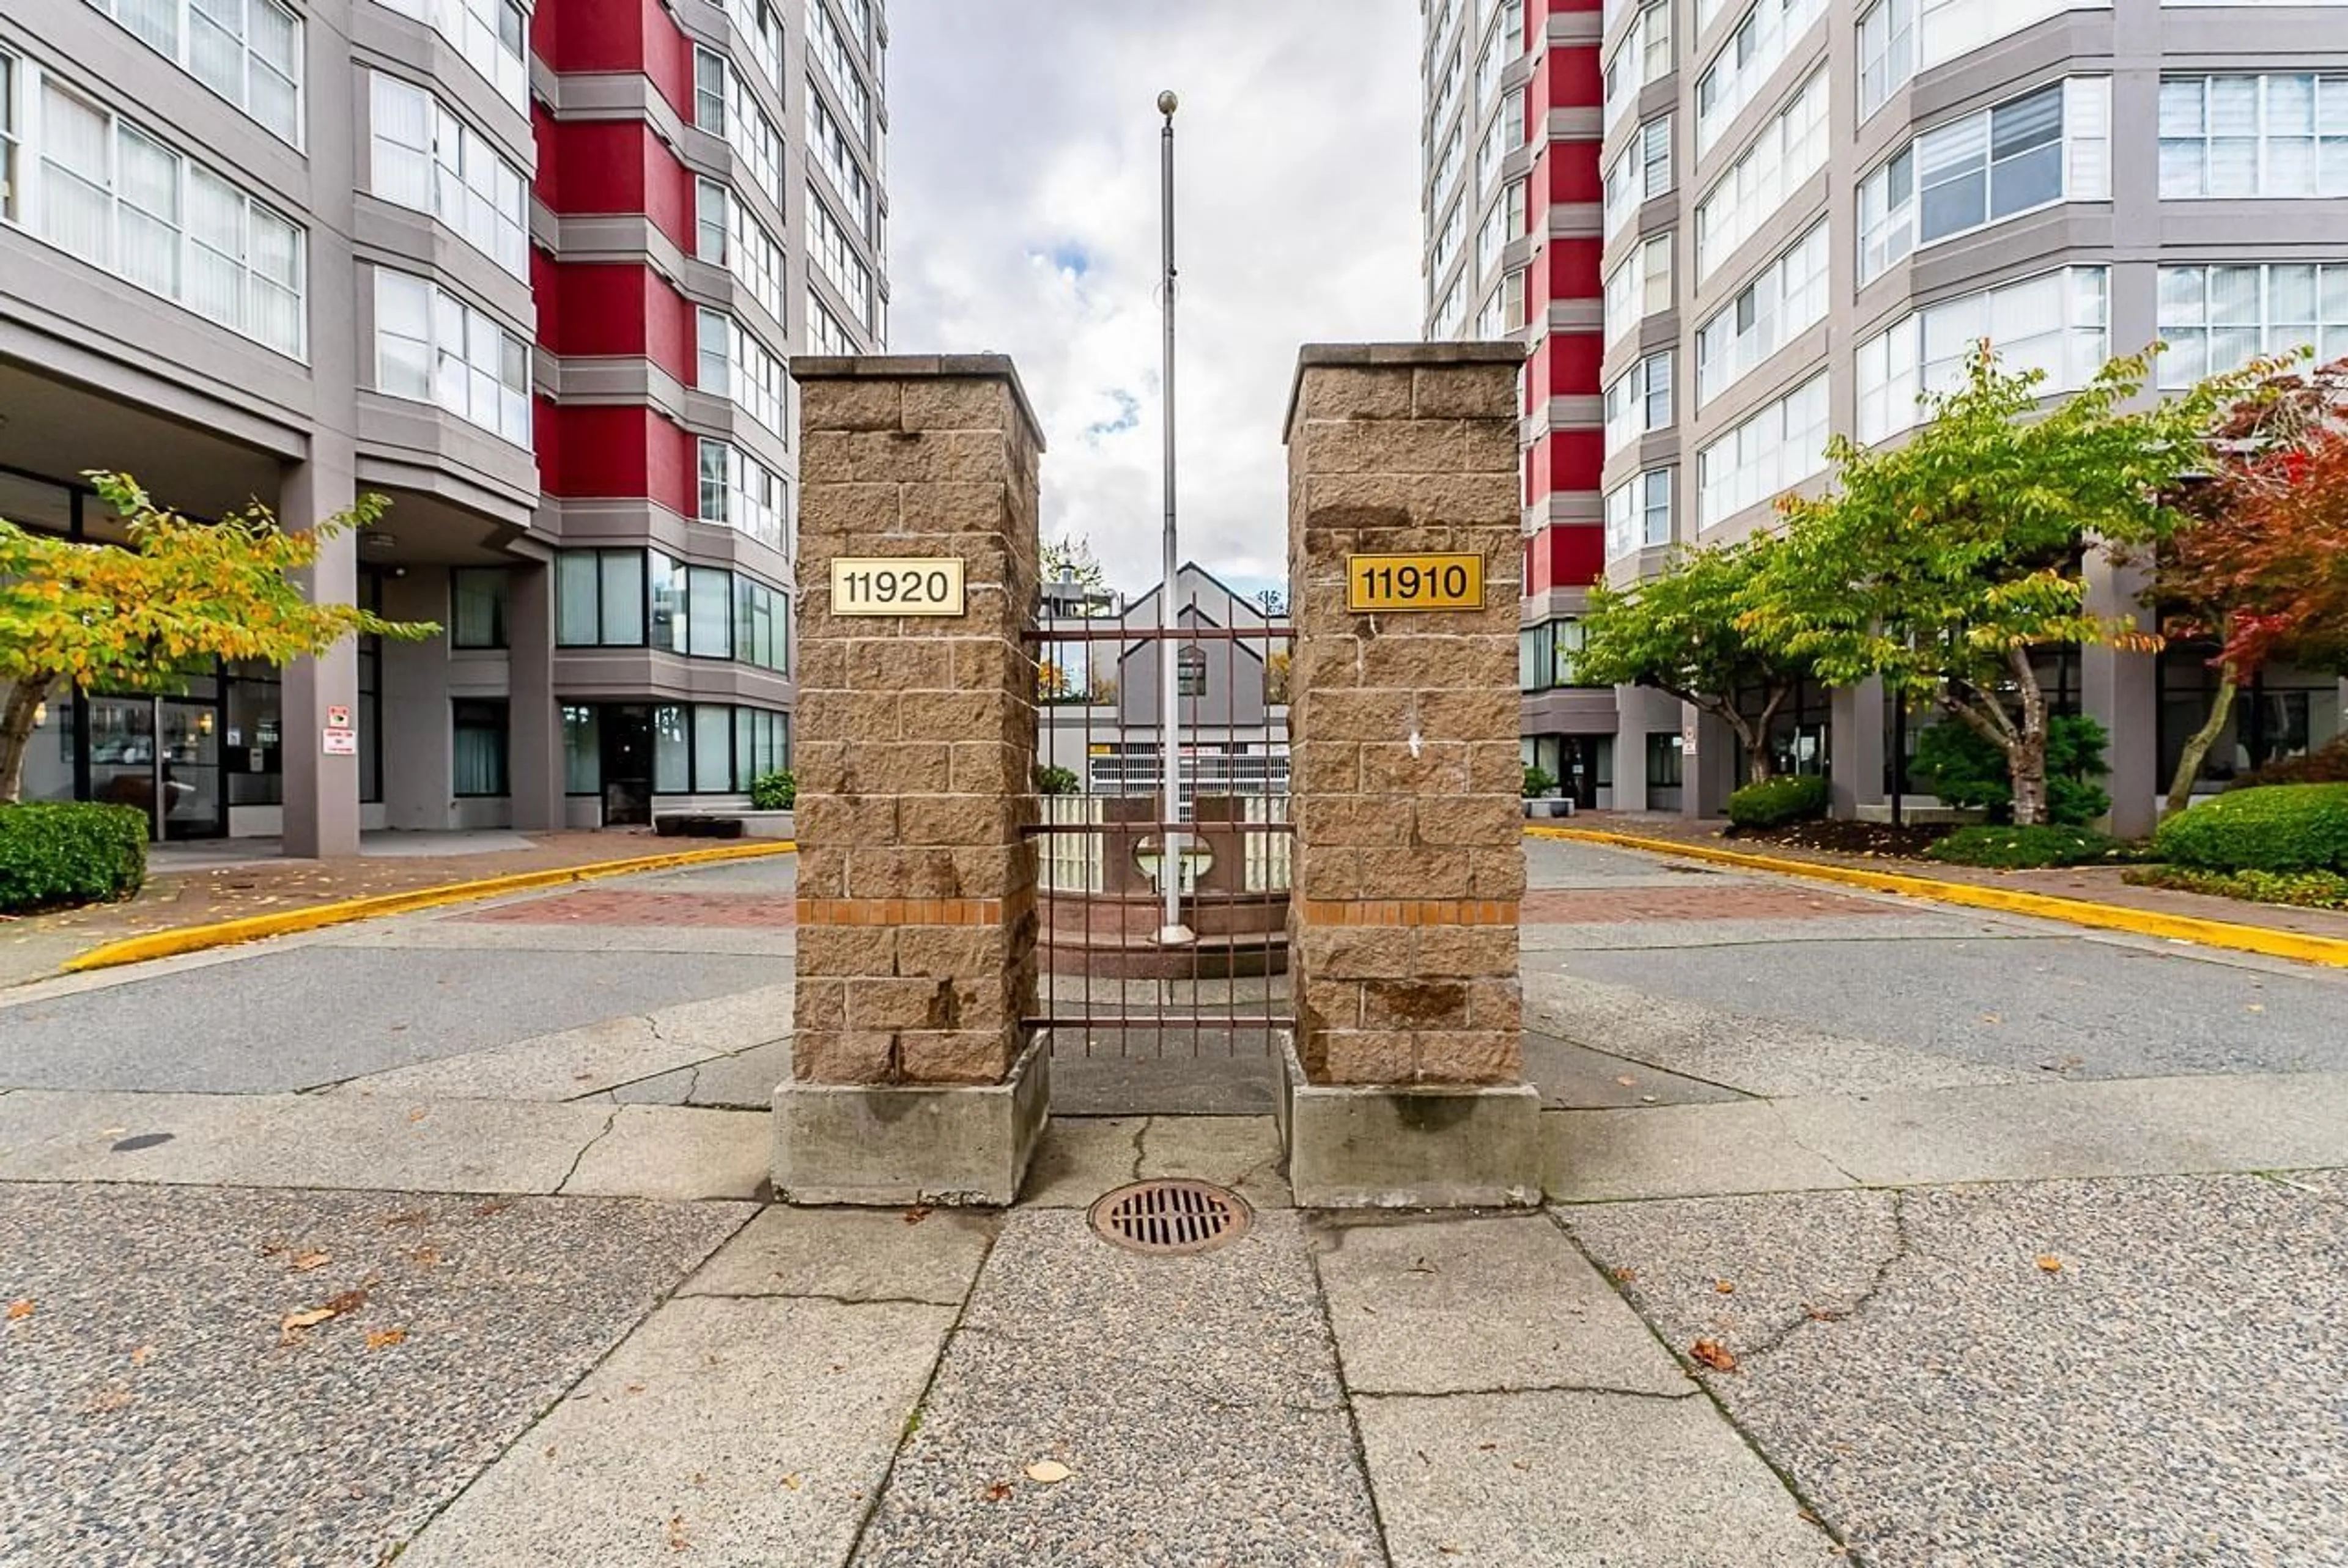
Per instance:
{"type": "Point", "coordinates": [2305, 949]}
{"type": "Point", "coordinates": [253, 928]}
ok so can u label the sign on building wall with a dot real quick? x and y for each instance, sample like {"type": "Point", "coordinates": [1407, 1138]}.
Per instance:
{"type": "Point", "coordinates": [1413, 582]}
{"type": "Point", "coordinates": [924, 585]}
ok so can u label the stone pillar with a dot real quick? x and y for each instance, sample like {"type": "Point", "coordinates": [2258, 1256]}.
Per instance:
{"type": "Point", "coordinates": [1404, 1078]}
{"type": "Point", "coordinates": [912, 1078]}
{"type": "Point", "coordinates": [322, 788]}
{"type": "Point", "coordinates": [533, 717]}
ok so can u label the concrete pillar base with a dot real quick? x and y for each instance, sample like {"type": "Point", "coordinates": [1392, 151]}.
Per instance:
{"type": "Point", "coordinates": [889, 1146]}
{"type": "Point", "coordinates": [1399, 1146]}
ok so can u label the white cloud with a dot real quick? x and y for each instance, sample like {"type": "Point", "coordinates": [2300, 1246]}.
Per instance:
{"type": "Point", "coordinates": [1023, 197]}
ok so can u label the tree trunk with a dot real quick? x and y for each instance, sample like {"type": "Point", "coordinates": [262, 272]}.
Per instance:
{"type": "Point", "coordinates": [2221, 707]}
{"type": "Point", "coordinates": [1760, 766]}
{"type": "Point", "coordinates": [25, 700]}
{"type": "Point", "coordinates": [2026, 755]}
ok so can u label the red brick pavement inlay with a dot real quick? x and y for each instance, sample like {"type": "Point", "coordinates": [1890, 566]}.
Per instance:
{"type": "Point", "coordinates": [613, 907]}
{"type": "Point", "coordinates": [1732, 901]}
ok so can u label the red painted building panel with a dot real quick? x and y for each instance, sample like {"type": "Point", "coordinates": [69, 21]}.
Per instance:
{"type": "Point", "coordinates": [1565, 555]}
{"type": "Point", "coordinates": [613, 166]}
{"type": "Point", "coordinates": [1566, 364]}
{"type": "Point", "coordinates": [617, 308]}
{"type": "Point", "coordinates": [622, 451]}
{"type": "Point", "coordinates": [620, 37]}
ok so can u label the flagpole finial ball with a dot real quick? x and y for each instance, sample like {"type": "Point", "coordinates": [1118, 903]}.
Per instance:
{"type": "Point", "coordinates": [1165, 103]}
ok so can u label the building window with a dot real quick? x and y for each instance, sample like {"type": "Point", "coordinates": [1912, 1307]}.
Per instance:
{"type": "Point", "coordinates": [1644, 56]}
{"type": "Point", "coordinates": [838, 61]}
{"type": "Point", "coordinates": [1886, 52]}
{"type": "Point", "coordinates": [598, 598]}
{"type": "Point", "coordinates": [1505, 44]}
{"type": "Point", "coordinates": [491, 35]}
{"type": "Point", "coordinates": [1786, 298]}
{"type": "Point", "coordinates": [826, 335]}
{"type": "Point", "coordinates": [1639, 514]}
{"type": "Point", "coordinates": [582, 750]}
{"type": "Point", "coordinates": [763, 30]}
{"type": "Point", "coordinates": [479, 754]}
{"type": "Point", "coordinates": [433, 347]}
{"type": "Point", "coordinates": [2217, 319]}
{"type": "Point", "coordinates": [2056, 323]}
{"type": "Point", "coordinates": [1545, 654]}
{"type": "Point", "coordinates": [738, 492]}
{"type": "Point", "coordinates": [1762, 42]}
{"type": "Point", "coordinates": [732, 363]}
{"type": "Point", "coordinates": [421, 156]}
{"type": "Point", "coordinates": [727, 235]}
{"type": "Point", "coordinates": [1639, 402]}
{"type": "Point", "coordinates": [2279, 136]}
{"type": "Point", "coordinates": [1641, 172]}
{"type": "Point", "coordinates": [762, 744]}
{"type": "Point", "coordinates": [1191, 673]}
{"type": "Point", "coordinates": [1667, 754]}
{"type": "Point", "coordinates": [723, 106]}
{"type": "Point", "coordinates": [1777, 447]}
{"type": "Point", "coordinates": [247, 51]}
{"type": "Point", "coordinates": [477, 607]}
{"type": "Point", "coordinates": [1790, 148]}
{"type": "Point", "coordinates": [1639, 287]}
{"type": "Point", "coordinates": [828, 245]}
{"type": "Point", "coordinates": [2053, 145]}
{"type": "Point", "coordinates": [761, 626]}
{"type": "Point", "coordinates": [709, 91]}
{"type": "Point", "coordinates": [10, 139]}
{"type": "Point", "coordinates": [829, 147]}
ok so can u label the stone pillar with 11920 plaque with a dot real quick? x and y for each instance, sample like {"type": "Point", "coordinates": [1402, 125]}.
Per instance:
{"type": "Point", "coordinates": [1405, 1078]}
{"type": "Point", "coordinates": [912, 1081]}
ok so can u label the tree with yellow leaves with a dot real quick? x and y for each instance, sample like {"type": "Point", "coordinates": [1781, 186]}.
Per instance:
{"type": "Point", "coordinates": [145, 618]}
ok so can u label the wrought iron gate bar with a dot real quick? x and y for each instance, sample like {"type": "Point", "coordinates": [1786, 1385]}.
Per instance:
{"type": "Point", "coordinates": [1046, 829]}
{"type": "Point", "coordinates": [1150, 1021]}
{"type": "Point", "coordinates": [1122, 633]}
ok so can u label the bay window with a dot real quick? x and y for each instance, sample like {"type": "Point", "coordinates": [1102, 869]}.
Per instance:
{"type": "Point", "coordinates": [247, 51]}
{"type": "Point", "coordinates": [431, 346]}
{"type": "Point", "coordinates": [732, 364]}
{"type": "Point", "coordinates": [422, 157]}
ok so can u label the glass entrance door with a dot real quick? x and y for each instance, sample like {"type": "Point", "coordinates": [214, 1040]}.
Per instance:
{"type": "Point", "coordinates": [627, 747]}
{"type": "Point", "coordinates": [124, 766]}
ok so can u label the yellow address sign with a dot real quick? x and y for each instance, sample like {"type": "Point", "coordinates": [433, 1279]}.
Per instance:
{"type": "Point", "coordinates": [924, 585]}
{"type": "Point", "coordinates": [1415, 582]}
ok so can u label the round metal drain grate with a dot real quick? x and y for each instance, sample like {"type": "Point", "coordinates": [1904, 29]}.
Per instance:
{"type": "Point", "coordinates": [1171, 1216]}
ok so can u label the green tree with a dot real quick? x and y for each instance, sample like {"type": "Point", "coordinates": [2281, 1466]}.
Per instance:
{"type": "Point", "coordinates": [1678, 632]}
{"type": "Point", "coordinates": [1943, 564]}
{"type": "Point", "coordinates": [145, 618]}
{"type": "Point", "coordinates": [1070, 558]}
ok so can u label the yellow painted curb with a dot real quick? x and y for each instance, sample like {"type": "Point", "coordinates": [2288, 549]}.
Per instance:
{"type": "Point", "coordinates": [2306, 948]}
{"type": "Point", "coordinates": [253, 928]}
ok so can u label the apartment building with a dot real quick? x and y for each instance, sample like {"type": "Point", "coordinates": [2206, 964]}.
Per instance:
{"type": "Point", "coordinates": [1803, 212]}
{"type": "Point", "coordinates": [535, 277]}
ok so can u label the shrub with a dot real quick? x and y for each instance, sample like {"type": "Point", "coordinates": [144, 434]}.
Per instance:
{"type": "Point", "coordinates": [1539, 782]}
{"type": "Point", "coordinates": [776, 791]}
{"type": "Point", "coordinates": [70, 852]}
{"type": "Point", "coordinates": [1778, 801]}
{"type": "Point", "coordinates": [2325, 765]}
{"type": "Point", "coordinates": [2031, 848]}
{"type": "Point", "coordinates": [1965, 768]}
{"type": "Point", "coordinates": [2282, 828]}
{"type": "Point", "coordinates": [2307, 889]}
{"type": "Point", "coordinates": [1053, 780]}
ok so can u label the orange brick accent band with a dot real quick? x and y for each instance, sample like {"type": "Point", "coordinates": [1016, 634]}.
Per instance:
{"type": "Point", "coordinates": [1406, 912]}
{"type": "Point", "coordinates": [909, 911]}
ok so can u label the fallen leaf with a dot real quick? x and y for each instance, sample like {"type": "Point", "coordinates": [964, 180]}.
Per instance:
{"type": "Point", "coordinates": [1486, 1448]}
{"type": "Point", "coordinates": [491, 1209]}
{"type": "Point", "coordinates": [295, 1321]}
{"type": "Point", "coordinates": [1991, 1017]}
{"type": "Point", "coordinates": [634, 1389]}
{"type": "Point", "coordinates": [1627, 1082]}
{"type": "Point", "coordinates": [412, 1217]}
{"type": "Point", "coordinates": [677, 1540]}
{"type": "Point", "coordinates": [1724, 1287]}
{"type": "Point", "coordinates": [1714, 1354]}
{"type": "Point", "coordinates": [793, 1482]}
{"type": "Point", "coordinates": [138, 1357]}
{"type": "Point", "coordinates": [383, 1338]}
{"type": "Point", "coordinates": [1823, 1314]}
{"type": "Point", "coordinates": [20, 1309]}
{"type": "Point", "coordinates": [1048, 1472]}
{"type": "Point", "coordinates": [1421, 1266]}
{"type": "Point", "coordinates": [699, 1479]}
{"type": "Point", "coordinates": [998, 1491]}
{"type": "Point", "coordinates": [304, 1262]}
{"type": "Point", "coordinates": [2050, 1263]}
{"type": "Point", "coordinates": [917, 1213]}
{"type": "Point", "coordinates": [2256, 1006]}
{"type": "Point", "coordinates": [345, 1301]}
{"type": "Point", "coordinates": [425, 1256]}
{"type": "Point", "coordinates": [415, 1115]}
{"type": "Point", "coordinates": [111, 1398]}
{"type": "Point", "coordinates": [1624, 1275]}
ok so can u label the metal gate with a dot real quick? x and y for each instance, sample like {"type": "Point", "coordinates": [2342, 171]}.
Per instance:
{"type": "Point", "coordinates": [1143, 1018]}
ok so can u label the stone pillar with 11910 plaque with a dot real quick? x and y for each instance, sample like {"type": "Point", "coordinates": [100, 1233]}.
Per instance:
{"type": "Point", "coordinates": [1405, 1078]}
{"type": "Point", "coordinates": [912, 1081]}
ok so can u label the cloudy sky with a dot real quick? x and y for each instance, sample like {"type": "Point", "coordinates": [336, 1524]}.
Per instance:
{"type": "Point", "coordinates": [1023, 189]}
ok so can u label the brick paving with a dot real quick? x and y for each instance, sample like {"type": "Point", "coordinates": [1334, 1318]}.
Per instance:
{"type": "Point", "coordinates": [618, 907]}
{"type": "Point", "coordinates": [1739, 901]}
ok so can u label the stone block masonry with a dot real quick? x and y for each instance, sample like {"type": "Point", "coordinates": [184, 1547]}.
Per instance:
{"type": "Point", "coordinates": [915, 736]}
{"type": "Point", "coordinates": [1409, 858]}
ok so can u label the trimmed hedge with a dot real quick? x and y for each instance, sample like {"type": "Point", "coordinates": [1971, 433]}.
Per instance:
{"type": "Point", "coordinates": [776, 791]}
{"type": "Point", "coordinates": [2280, 827]}
{"type": "Point", "coordinates": [2326, 765]}
{"type": "Point", "coordinates": [60, 853]}
{"type": "Point", "coordinates": [1775, 802]}
{"type": "Point", "coordinates": [2031, 848]}
{"type": "Point", "coordinates": [2306, 889]}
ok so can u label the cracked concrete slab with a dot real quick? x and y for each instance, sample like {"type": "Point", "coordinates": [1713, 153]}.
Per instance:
{"type": "Point", "coordinates": [1575, 1078]}
{"type": "Point", "coordinates": [728, 1431]}
{"type": "Point", "coordinates": [1568, 1479]}
{"type": "Point", "coordinates": [1679, 1150]}
{"type": "Point", "coordinates": [851, 1254]}
{"type": "Point", "coordinates": [1080, 1158]}
{"type": "Point", "coordinates": [1242, 1152]}
{"type": "Point", "coordinates": [1462, 1306]}
{"type": "Point", "coordinates": [740, 1081]}
{"type": "Point", "coordinates": [2124, 1370]}
{"type": "Point", "coordinates": [667, 1151]}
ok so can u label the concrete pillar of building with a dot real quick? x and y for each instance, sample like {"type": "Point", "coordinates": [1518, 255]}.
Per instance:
{"type": "Point", "coordinates": [1405, 1075]}
{"type": "Point", "coordinates": [533, 717]}
{"type": "Point", "coordinates": [1708, 765]}
{"type": "Point", "coordinates": [322, 694]}
{"type": "Point", "coordinates": [1630, 704]}
{"type": "Point", "coordinates": [2121, 692]}
{"type": "Point", "coordinates": [914, 1078]}
{"type": "Point", "coordinates": [1855, 748]}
